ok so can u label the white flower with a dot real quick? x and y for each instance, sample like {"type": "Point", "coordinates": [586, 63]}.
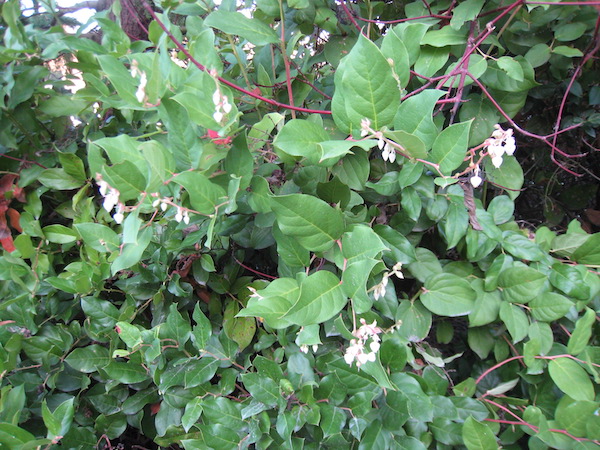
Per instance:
{"type": "Point", "coordinates": [118, 217]}
{"type": "Point", "coordinates": [140, 94]}
{"type": "Point", "coordinates": [397, 270]}
{"type": "Point", "coordinates": [186, 217]}
{"type": "Point", "coordinates": [501, 142]}
{"type": "Point", "coordinates": [179, 215]}
{"type": "Point", "coordinates": [497, 161]}
{"type": "Point", "coordinates": [304, 348]}
{"type": "Point", "coordinates": [365, 125]}
{"type": "Point", "coordinates": [216, 97]}
{"type": "Point", "coordinates": [226, 105]}
{"type": "Point", "coordinates": [380, 143]}
{"type": "Point", "coordinates": [315, 347]}
{"type": "Point", "coordinates": [103, 187]}
{"type": "Point", "coordinates": [218, 116]}
{"type": "Point", "coordinates": [388, 154]}
{"type": "Point", "coordinates": [356, 350]}
{"type": "Point", "coordinates": [476, 180]}
{"type": "Point", "coordinates": [163, 206]}
{"type": "Point", "coordinates": [379, 290]}
{"type": "Point", "coordinates": [111, 199]}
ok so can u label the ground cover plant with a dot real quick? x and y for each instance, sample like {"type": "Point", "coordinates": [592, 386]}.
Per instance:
{"type": "Point", "coordinates": [291, 224]}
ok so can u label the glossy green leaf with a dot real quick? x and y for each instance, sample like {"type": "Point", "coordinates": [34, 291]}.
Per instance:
{"type": "Point", "coordinates": [365, 89]}
{"type": "Point", "coordinates": [98, 236]}
{"type": "Point", "coordinates": [311, 221]}
{"type": "Point", "coordinates": [450, 147]}
{"type": "Point", "coordinates": [415, 116]}
{"type": "Point", "coordinates": [448, 295]}
{"type": "Point", "coordinates": [477, 435]}
{"type": "Point", "coordinates": [320, 299]}
{"type": "Point", "coordinates": [582, 333]}
{"type": "Point", "coordinates": [204, 195]}
{"type": "Point", "coordinates": [520, 284]}
{"type": "Point", "coordinates": [516, 321]}
{"type": "Point", "coordinates": [571, 378]}
{"type": "Point", "coordinates": [252, 30]}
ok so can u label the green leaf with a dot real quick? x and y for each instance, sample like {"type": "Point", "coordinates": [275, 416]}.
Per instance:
{"type": "Point", "coordinates": [121, 79]}
{"type": "Point", "coordinates": [412, 146]}
{"type": "Point", "coordinates": [416, 320]}
{"type": "Point", "coordinates": [521, 284]}
{"type": "Point", "coordinates": [521, 247]}
{"type": "Point", "coordinates": [589, 251]}
{"type": "Point", "coordinates": [464, 12]}
{"type": "Point", "coordinates": [98, 236]}
{"type": "Point", "coordinates": [58, 421]}
{"type": "Point", "coordinates": [130, 334]}
{"type": "Point", "coordinates": [449, 295]}
{"type": "Point", "coordinates": [262, 388]}
{"type": "Point", "coordinates": [126, 178]}
{"type": "Point", "coordinates": [202, 331]}
{"type": "Point", "coordinates": [320, 299]}
{"type": "Point", "coordinates": [58, 179]}
{"type": "Point", "coordinates": [582, 333]}
{"type": "Point", "coordinates": [59, 234]}
{"type": "Point", "coordinates": [415, 116]}
{"type": "Point", "coordinates": [204, 195]}
{"type": "Point", "coordinates": [444, 37]}
{"type": "Point", "coordinates": [569, 280]}
{"type": "Point", "coordinates": [274, 302]}
{"type": "Point", "coordinates": [515, 320]}
{"type": "Point", "coordinates": [192, 413]}
{"type": "Point", "coordinates": [392, 47]}
{"type": "Point", "coordinates": [253, 30]}
{"type": "Point", "coordinates": [126, 373]}
{"type": "Point", "coordinates": [300, 137]}
{"type": "Point", "coordinates": [88, 359]}
{"type": "Point", "coordinates": [132, 253]}
{"type": "Point", "coordinates": [508, 176]}
{"type": "Point", "coordinates": [571, 378]}
{"type": "Point", "coordinates": [314, 223]}
{"type": "Point", "coordinates": [450, 147]}
{"type": "Point", "coordinates": [365, 89]}
{"type": "Point", "coordinates": [549, 306]}
{"type": "Point", "coordinates": [332, 420]}
{"type": "Point", "coordinates": [455, 224]}
{"type": "Point", "coordinates": [477, 435]}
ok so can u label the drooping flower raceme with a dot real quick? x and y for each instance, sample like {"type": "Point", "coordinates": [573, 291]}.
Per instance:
{"type": "Point", "coordinates": [379, 290]}
{"type": "Point", "coordinates": [501, 142]}
{"type": "Point", "coordinates": [364, 348]}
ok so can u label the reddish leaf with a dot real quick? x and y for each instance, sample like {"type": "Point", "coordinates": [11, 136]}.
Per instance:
{"type": "Point", "coordinates": [217, 139]}
{"type": "Point", "coordinates": [7, 244]}
{"type": "Point", "coordinates": [14, 217]}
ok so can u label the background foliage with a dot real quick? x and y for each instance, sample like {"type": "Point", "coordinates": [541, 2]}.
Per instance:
{"type": "Point", "coordinates": [237, 209]}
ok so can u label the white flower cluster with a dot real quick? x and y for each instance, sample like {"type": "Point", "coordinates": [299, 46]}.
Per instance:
{"type": "Point", "coordinates": [501, 142]}
{"type": "Point", "coordinates": [222, 106]}
{"type": "Point", "coordinates": [388, 153]}
{"type": "Point", "coordinates": [181, 215]}
{"type": "Point", "coordinates": [367, 335]}
{"type": "Point", "coordinates": [379, 290]}
{"type": "Point", "coordinates": [304, 348]}
{"type": "Point", "coordinates": [111, 199]}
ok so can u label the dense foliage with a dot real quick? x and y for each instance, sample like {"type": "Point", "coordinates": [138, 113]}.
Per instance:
{"type": "Point", "coordinates": [293, 226]}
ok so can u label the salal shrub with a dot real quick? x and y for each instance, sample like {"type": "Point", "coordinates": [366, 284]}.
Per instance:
{"type": "Point", "coordinates": [288, 224]}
